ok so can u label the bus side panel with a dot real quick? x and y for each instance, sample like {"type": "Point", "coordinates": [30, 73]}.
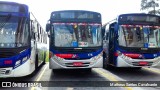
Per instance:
{"type": "Point", "coordinates": [24, 69]}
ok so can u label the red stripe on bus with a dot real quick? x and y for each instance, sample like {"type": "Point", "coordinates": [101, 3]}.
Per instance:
{"type": "Point", "coordinates": [131, 55]}
{"type": "Point", "coordinates": [65, 55]}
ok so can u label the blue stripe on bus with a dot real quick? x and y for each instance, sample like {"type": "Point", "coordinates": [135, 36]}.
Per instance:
{"type": "Point", "coordinates": [20, 56]}
{"type": "Point", "coordinates": [80, 55]}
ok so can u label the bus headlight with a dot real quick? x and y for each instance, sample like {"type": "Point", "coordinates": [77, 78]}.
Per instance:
{"type": "Point", "coordinates": [57, 59]}
{"type": "Point", "coordinates": [24, 59]}
{"type": "Point", "coordinates": [125, 57]}
{"type": "Point", "coordinates": [96, 58]}
{"type": "Point", "coordinates": [119, 53]}
{"type": "Point", "coordinates": [18, 63]}
{"type": "Point", "coordinates": [60, 59]}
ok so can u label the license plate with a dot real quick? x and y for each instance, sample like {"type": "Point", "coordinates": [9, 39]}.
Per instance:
{"type": "Point", "coordinates": [143, 63]}
{"type": "Point", "coordinates": [77, 64]}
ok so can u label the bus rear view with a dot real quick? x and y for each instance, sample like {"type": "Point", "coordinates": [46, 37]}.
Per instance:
{"type": "Point", "coordinates": [75, 39]}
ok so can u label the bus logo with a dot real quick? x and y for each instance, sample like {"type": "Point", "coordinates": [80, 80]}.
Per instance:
{"type": "Point", "coordinates": [141, 56]}
{"type": "Point", "coordinates": [74, 56]}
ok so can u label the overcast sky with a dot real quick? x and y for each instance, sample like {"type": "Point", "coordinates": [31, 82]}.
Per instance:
{"type": "Point", "coordinates": [108, 8]}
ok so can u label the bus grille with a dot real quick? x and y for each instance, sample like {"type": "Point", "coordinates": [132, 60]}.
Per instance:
{"type": "Point", "coordinates": [5, 71]}
{"type": "Point", "coordinates": [2, 71]}
{"type": "Point", "coordinates": [6, 54]}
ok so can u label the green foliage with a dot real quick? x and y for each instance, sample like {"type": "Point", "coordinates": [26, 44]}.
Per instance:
{"type": "Point", "coordinates": [47, 56]}
{"type": "Point", "coordinates": [150, 5]}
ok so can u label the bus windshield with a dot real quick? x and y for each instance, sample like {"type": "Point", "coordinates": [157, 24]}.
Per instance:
{"type": "Point", "coordinates": [77, 35]}
{"type": "Point", "coordinates": [13, 32]}
{"type": "Point", "coordinates": [139, 36]}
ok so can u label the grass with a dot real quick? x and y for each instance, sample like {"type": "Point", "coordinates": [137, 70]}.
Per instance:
{"type": "Point", "coordinates": [47, 56]}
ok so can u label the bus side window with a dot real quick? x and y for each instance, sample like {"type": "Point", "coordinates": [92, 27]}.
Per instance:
{"type": "Point", "coordinates": [32, 28]}
{"type": "Point", "coordinates": [38, 33]}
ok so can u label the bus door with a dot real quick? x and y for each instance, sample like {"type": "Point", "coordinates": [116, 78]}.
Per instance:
{"type": "Point", "coordinates": [111, 44]}
{"type": "Point", "coordinates": [104, 34]}
{"type": "Point", "coordinates": [33, 41]}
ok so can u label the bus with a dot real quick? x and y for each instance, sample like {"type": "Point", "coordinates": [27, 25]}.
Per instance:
{"type": "Point", "coordinates": [132, 40]}
{"type": "Point", "coordinates": [75, 40]}
{"type": "Point", "coordinates": [22, 41]}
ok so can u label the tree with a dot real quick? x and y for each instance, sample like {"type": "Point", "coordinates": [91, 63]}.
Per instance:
{"type": "Point", "coordinates": [150, 5]}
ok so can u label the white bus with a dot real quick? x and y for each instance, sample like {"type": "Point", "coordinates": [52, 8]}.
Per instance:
{"type": "Point", "coordinates": [75, 40]}
{"type": "Point", "coordinates": [22, 41]}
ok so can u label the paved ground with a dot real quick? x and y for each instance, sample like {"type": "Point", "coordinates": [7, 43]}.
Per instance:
{"type": "Point", "coordinates": [97, 79]}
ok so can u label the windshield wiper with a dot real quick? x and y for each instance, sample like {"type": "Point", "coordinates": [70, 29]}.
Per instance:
{"type": "Point", "coordinates": [5, 21]}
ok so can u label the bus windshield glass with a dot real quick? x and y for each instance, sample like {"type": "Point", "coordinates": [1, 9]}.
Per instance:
{"type": "Point", "coordinates": [13, 32]}
{"type": "Point", "coordinates": [77, 34]}
{"type": "Point", "coordinates": [139, 36]}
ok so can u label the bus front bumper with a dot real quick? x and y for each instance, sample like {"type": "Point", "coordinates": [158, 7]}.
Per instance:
{"type": "Point", "coordinates": [22, 70]}
{"type": "Point", "coordinates": [129, 62]}
{"type": "Point", "coordinates": [59, 63]}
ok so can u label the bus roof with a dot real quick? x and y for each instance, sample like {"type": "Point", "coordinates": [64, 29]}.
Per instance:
{"type": "Point", "coordinates": [138, 14]}
{"type": "Point", "coordinates": [9, 2]}
{"type": "Point", "coordinates": [75, 16]}
{"type": "Point", "coordinates": [13, 7]}
{"type": "Point", "coordinates": [138, 18]}
{"type": "Point", "coordinates": [75, 11]}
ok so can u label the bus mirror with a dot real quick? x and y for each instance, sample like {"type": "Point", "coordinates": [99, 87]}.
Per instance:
{"type": "Point", "coordinates": [47, 27]}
